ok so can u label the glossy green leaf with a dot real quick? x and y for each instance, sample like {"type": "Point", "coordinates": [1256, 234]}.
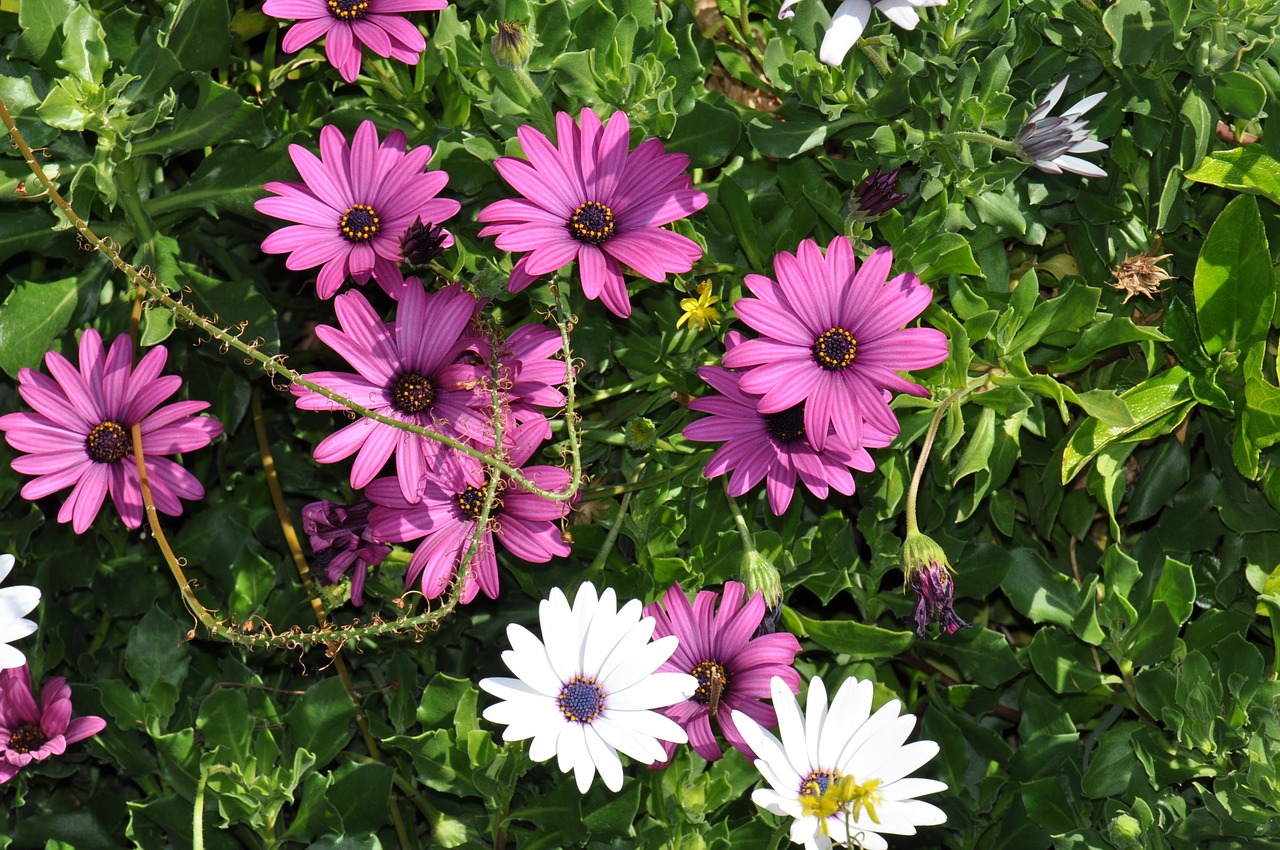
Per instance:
{"type": "Point", "coordinates": [1234, 282]}
{"type": "Point", "coordinates": [31, 318]}
{"type": "Point", "coordinates": [852, 638]}
{"type": "Point", "coordinates": [1249, 169]}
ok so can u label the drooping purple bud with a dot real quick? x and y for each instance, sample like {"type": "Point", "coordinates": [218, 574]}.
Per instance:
{"type": "Point", "coordinates": [340, 539]}
{"type": "Point", "coordinates": [928, 574]}
{"type": "Point", "coordinates": [875, 196]}
{"type": "Point", "coordinates": [422, 243]}
{"type": "Point", "coordinates": [770, 622]}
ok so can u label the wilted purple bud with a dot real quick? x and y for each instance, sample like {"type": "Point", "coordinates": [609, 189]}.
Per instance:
{"type": "Point", "coordinates": [1047, 142]}
{"type": "Point", "coordinates": [928, 574]}
{"type": "Point", "coordinates": [770, 622]}
{"type": "Point", "coordinates": [875, 196]}
{"type": "Point", "coordinates": [340, 538]}
{"type": "Point", "coordinates": [422, 243]}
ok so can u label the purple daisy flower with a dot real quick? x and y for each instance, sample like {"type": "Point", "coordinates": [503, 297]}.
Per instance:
{"type": "Point", "coordinates": [592, 199]}
{"type": "Point", "coordinates": [353, 206]}
{"type": "Point", "coordinates": [525, 523]}
{"type": "Point", "coordinates": [834, 340]}
{"type": "Point", "coordinates": [531, 373]}
{"type": "Point", "coordinates": [733, 668]}
{"type": "Point", "coordinates": [33, 732]}
{"type": "Point", "coordinates": [80, 435]}
{"type": "Point", "coordinates": [348, 24]}
{"type": "Point", "coordinates": [772, 446]}
{"type": "Point", "coordinates": [341, 540]}
{"type": "Point", "coordinates": [406, 370]}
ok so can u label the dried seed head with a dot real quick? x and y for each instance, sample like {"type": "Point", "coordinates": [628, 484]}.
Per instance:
{"type": "Point", "coordinates": [1141, 275]}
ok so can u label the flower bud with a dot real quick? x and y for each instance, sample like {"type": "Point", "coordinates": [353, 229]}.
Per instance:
{"type": "Point", "coordinates": [341, 540]}
{"type": "Point", "coordinates": [928, 573]}
{"type": "Point", "coordinates": [1124, 832]}
{"type": "Point", "coordinates": [422, 243]}
{"type": "Point", "coordinates": [641, 434]}
{"type": "Point", "coordinates": [512, 44]}
{"type": "Point", "coordinates": [875, 196]}
{"type": "Point", "coordinates": [759, 573]}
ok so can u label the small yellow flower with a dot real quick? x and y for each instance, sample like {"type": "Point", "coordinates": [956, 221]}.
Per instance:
{"type": "Point", "coordinates": [699, 312]}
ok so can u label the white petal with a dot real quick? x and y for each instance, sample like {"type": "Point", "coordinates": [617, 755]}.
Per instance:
{"type": "Point", "coordinates": [560, 634]}
{"type": "Point", "coordinates": [638, 665]}
{"type": "Point", "coordinates": [513, 689]}
{"type": "Point", "coordinates": [658, 690]}
{"type": "Point", "coordinates": [1079, 166]}
{"type": "Point", "coordinates": [815, 712]}
{"type": "Point", "coordinates": [10, 657]}
{"type": "Point", "coordinates": [901, 12]}
{"type": "Point", "coordinates": [18, 601]}
{"type": "Point", "coordinates": [1085, 105]}
{"type": "Point", "coordinates": [917, 812]}
{"type": "Point", "coordinates": [905, 789]}
{"type": "Point", "coordinates": [6, 564]}
{"type": "Point", "coordinates": [1048, 166]}
{"type": "Point", "coordinates": [1050, 99]}
{"type": "Point", "coordinates": [11, 630]}
{"type": "Point", "coordinates": [849, 710]}
{"type": "Point", "coordinates": [571, 751]}
{"type": "Point", "coordinates": [1088, 146]}
{"type": "Point", "coordinates": [618, 730]}
{"type": "Point", "coordinates": [525, 719]}
{"type": "Point", "coordinates": [785, 12]}
{"type": "Point", "coordinates": [544, 746]}
{"type": "Point", "coordinates": [768, 800]}
{"type": "Point", "coordinates": [527, 658]}
{"type": "Point", "coordinates": [771, 761]}
{"type": "Point", "coordinates": [622, 639]}
{"type": "Point", "coordinates": [791, 725]}
{"type": "Point", "coordinates": [605, 759]}
{"type": "Point", "coordinates": [846, 28]}
{"type": "Point", "coordinates": [904, 760]}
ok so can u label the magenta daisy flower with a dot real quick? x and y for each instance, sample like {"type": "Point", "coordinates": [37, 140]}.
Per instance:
{"type": "Point", "coordinates": [33, 732]}
{"type": "Point", "coordinates": [80, 435]}
{"type": "Point", "coordinates": [733, 669]}
{"type": "Point", "coordinates": [406, 370]}
{"type": "Point", "coordinates": [772, 446]}
{"type": "Point", "coordinates": [592, 199]}
{"type": "Point", "coordinates": [531, 373]}
{"type": "Point", "coordinates": [348, 24]}
{"type": "Point", "coordinates": [833, 338]}
{"type": "Point", "coordinates": [353, 206]}
{"type": "Point", "coordinates": [526, 524]}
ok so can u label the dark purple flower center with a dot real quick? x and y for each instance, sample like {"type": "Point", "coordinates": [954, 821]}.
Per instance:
{"type": "Point", "coordinates": [592, 222]}
{"type": "Point", "coordinates": [360, 223]}
{"type": "Point", "coordinates": [835, 350]}
{"type": "Point", "coordinates": [349, 10]}
{"type": "Point", "coordinates": [27, 738]}
{"type": "Point", "coordinates": [108, 442]}
{"type": "Point", "coordinates": [786, 426]}
{"type": "Point", "coordinates": [817, 782]}
{"type": "Point", "coordinates": [412, 393]}
{"type": "Point", "coordinates": [713, 682]}
{"type": "Point", "coordinates": [471, 502]}
{"type": "Point", "coordinates": [581, 699]}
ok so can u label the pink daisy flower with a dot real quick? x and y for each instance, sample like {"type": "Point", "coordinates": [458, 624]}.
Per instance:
{"type": "Point", "coordinates": [80, 434]}
{"type": "Point", "coordinates": [348, 24]}
{"type": "Point", "coordinates": [407, 370]}
{"type": "Point", "coordinates": [29, 732]}
{"type": "Point", "coordinates": [833, 338]}
{"type": "Point", "coordinates": [592, 199]}
{"type": "Point", "coordinates": [353, 206]}
{"type": "Point", "coordinates": [525, 523]}
{"type": "Point", "coordinates": [531, 373]}
{"type": "Point", "coordinates": [733, 668]}
{"type": "Point", "coordinates": [772, 447]}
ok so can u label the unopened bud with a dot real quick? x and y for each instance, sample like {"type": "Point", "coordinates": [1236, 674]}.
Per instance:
{"type": "Point", "coordinates": [512, 45]}
{"type": "Point", "coordinates": [759, 574]}
{"type": "Point", "coordinates": [641, 434]}
{"type": "Point", "coordinates": [1124, 832]}
{"type": "Point", "coordinates": [422, 243]}
{"type": "Point", "coordinates": [875, 196]}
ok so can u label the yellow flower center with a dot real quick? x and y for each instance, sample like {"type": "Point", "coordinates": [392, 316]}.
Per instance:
{"type": "Point", "coordinates": [825, 794]}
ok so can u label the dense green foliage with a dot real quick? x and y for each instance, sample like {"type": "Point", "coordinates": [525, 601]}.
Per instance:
{"type": "Point", "coordinates": [1109, 493]}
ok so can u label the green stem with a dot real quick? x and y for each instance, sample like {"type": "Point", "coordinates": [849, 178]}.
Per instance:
{"type": "Point", "coordinates": [534, 98]}
{"type": "Point", "coordinates": [985, 138]}
{"type": "Point", "coordinates": [615, 528]}
{"type": "Point", "coordinates": [876, 59]}
{"type": "Point", "coordinates": [139, 219]}
{"type": "Point", "coordinates": [197, 817]}
{"type": "Point", "coordinates": [619, 489]}
{"type": "Point", "coordinates": [913, 527]}
{"type": "Point", "coordinates": [748, 542]}
{"type": "Point", "coordinates": [389, 84]}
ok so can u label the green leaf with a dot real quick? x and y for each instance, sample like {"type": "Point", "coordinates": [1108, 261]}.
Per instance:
{"type": "Point", "coordinates": [33, 316]}
{"type": "Point", "coordinates": [982, 655]}
{"type": "Point", "coordinates": [708, 134]}
{"type": "Point", "coordinates": [858, 640]}
{"type": "Point", "coordinates": [1158, 404]}
{"type": "Point", "coordinates": [1040, 592]}
{"type": "Point", "coordinates": [219, 114]}
{"type": "Point", "coordinates": [224, 720]}
{"type": "Point", "coordinates": [1234, 282]}
{"type": "Point", "coordinates": [40, 21]}
{"type": "Point", "coordinates": [1138, 29]}
{"type": "Point", "coordinates": [1113, 767]}
{"type": "Point", "coordinates": [84, 51]}
{"type": "Point", "coordinates": [200, 35]}
{"type": "Point", "coordinates": [1240, 95]}
{"type": "Point", "coordinates": [1249, 169]}
{"type": "Point", "coordinates": [321, 720]}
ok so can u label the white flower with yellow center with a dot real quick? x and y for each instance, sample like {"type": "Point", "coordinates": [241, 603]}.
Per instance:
{"type": "Point", "coordinates": [842, 772]}
{"type": "Point", "coordinates": [588, 689]}
{"type": "Point", "coordinates": [15, 603]}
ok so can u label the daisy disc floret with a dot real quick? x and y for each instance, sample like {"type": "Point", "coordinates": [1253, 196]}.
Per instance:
{"type": "Point", "coordinates": [350, 25]}
{"type": "Point", "coordinates": [841, 771]}
{"type": "Point", "coordinates": [16, 601]}
{"type": "Point", "coordinates": [590, 688]}
{"type": "Point", "coordinates": [31, 731]}
{"type": "Point", "coordinates": [832, 338]}
{"type": "Point", "coordinates": [1047, 143]}
{"type": "Point", "coordinates": [405, 369]}
{"type": "Point", "coordinates": [591, 199]}
{"type": "Point", "coordinates": [733, 668]}
{"type": "Point", "coordinates": [81, 433]}
{"type": "Point", "coordinates": [353, 206]}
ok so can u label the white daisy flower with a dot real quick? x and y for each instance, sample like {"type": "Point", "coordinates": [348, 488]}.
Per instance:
{"type": "Point", "coordinates": [15, 603]}
{"type": "Point", "coordinates": [851, 19]}
{"type": "Point", "coordinates": [588, 690]}
{"type": "Point", "coordinates": [842, 773]}
{"type": "Point", "coordinates": [1046, 142]}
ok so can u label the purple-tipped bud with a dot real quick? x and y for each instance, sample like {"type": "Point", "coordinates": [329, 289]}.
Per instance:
{"type": "Point", "coordinates": [770, 622]}
{"type": "Point", "coordinates": [875, 196]}
{"type": "Point", "coordinates": [340, 539]}
{"type": "Point", "coordinates": [422, 243]}
{"type": "Point", "coordinates": [512, 44]}
{"type": "Point", "coordinates": [928, 574]}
